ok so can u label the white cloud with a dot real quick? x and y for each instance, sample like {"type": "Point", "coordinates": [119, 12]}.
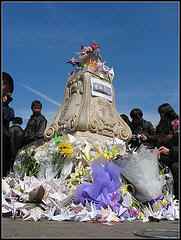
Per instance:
{"type": "Point", "coordinates": [40, 94]}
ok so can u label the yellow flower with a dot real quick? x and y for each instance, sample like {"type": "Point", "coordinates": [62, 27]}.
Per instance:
{"type": "Point", "coordinates": [124, 189]}
{"type": "Point", "coordinates": [141, 215]}
{"type": "Point", "coordinates": [66, 149]}
{"type": "Point", "coordinates": [115, 151]}
{"type": "Point", "coordinates": [164, 202]}
{"type": "Point", "coordinates": [106, 155]}
{"type": "Point", "coordinates": [157, 206]}
{"type": "Point", "coordinates": [161, 172]}
{"type": "Point", "coordinates": [77, 177]}
{"type": "Point", "coordinates": [111, 153]}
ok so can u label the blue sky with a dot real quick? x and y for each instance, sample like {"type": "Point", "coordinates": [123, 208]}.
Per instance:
{"type": "Point", "coordinates": [140, 40]}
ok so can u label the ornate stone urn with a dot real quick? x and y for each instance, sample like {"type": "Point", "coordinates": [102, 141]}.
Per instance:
{"type": "Point", "coordinates": [89, 102]}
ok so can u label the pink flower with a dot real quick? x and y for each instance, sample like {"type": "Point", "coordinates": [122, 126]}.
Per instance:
{"type": "Point", "coordinates": [175, 124]}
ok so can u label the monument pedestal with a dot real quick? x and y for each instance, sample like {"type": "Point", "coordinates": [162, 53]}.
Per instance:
{"type": "Point", "coordinates": [89, 109]}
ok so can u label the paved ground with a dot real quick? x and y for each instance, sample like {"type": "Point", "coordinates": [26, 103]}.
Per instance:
{"type": "Point", "coordinates": [73, 230]}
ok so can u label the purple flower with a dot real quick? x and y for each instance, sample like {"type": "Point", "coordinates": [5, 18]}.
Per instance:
{"type": "Point", "coordinates": [103, 192]}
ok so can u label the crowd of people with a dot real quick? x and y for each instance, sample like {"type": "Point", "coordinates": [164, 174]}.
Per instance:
{"type": "Point", "coordinates": [165, 137]}
{"type": "Point", "coordinates": [14, 136]}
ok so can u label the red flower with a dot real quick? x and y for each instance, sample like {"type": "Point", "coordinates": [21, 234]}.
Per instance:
{"type": "Point", "coordinates": [94, 46]}
{"type": "Point", "coordinates": [175, 124]}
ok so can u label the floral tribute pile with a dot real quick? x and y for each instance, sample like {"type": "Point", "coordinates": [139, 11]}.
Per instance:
{"type": "Point", "coordinates": [68, 178]}
{"type": "Point", "coordinates": [71, 179]}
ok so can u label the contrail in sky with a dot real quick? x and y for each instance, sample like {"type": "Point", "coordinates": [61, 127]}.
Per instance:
{"type": "Point", "coordinates": [39, 94]}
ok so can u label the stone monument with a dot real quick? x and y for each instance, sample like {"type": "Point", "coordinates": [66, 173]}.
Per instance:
{"type": "Point", "coordinates": [89, 108]}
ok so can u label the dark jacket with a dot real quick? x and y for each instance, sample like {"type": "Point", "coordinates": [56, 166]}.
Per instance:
{"type": "Point", "coordinates": [8, 115]}
{"type": "Point", "coordinates": [16, 141]}
{"type": "Point", "coordinates": [35, 128]}
{"type": "Point", "coordinates": [16, 136]}
{"type": "Point", "coordinates": [145, 127]}
{"type": "Point", "coordinates": [164, 133]}
{"type": "Point", "coordinates": [164, 130]}
{"type": "Point", "coordinates": [172, 161]}
{"type": "Point", "coordinates": [163, 127]}
{"type": "Point", "coordinates": [173, 146]}
{"type": "Point", "coordinates": [173, 155]}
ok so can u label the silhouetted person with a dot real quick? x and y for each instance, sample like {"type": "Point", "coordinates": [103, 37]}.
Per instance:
{"type": "Point", "coordinates": [8, 115]}
{"type": "Point", "coordinates": [16, 137]}
{"type": "Point", "coordinates": [170, 157]}
{"type": "Point", "coordinates": [168, 141]}
{"type": "Point", "coordinates": [164, 130]}
{"type": "Point", "coordinates": [140, 127]}
{"type": "Point", "coordinates": [34, 131]}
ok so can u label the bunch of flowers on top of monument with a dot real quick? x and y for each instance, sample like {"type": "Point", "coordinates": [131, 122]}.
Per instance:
{"type": "Point", "coordinates": [89, 59]}
{"type": "Point", "coordinates": [85, 50]}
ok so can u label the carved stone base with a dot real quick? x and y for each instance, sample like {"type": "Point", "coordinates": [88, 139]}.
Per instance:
{"type": "Point", "coordinates": [89, 107]}
{"type": "Point", "coordinates": [92, 138]}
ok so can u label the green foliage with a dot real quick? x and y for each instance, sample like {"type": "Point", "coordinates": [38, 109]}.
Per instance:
{"type": "Point", "coordinates": [57, 138]}
{"type": "Point", "coordinates": [29, 165]}
{"type": "Point", "coordinates": [58, 161]}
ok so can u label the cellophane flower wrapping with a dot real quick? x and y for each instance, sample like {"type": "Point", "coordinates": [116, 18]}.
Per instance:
{"type": "Point", "coordinates": [142, 170]}
{"type": "Point", "coordinates": [77, 187]}
{"type": "Point", "coordinates": [103, 191]}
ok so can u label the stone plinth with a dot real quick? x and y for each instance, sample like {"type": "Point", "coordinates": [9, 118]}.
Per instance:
{"type": "Point", "coordinates": [89, 107]}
